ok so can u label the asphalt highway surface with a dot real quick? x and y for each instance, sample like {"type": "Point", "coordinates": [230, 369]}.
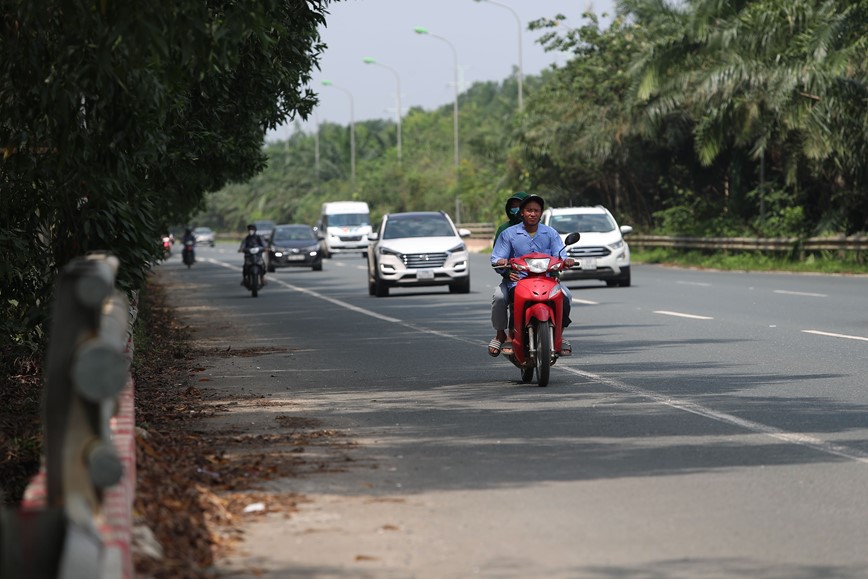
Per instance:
{"type": "Point", "coordinates": [708, 424]}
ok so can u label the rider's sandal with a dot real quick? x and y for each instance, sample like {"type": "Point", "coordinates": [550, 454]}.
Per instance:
{"type": "Point", "coordinates": [494, 347]}
{"type": "Point", "coordinates": [566, 348]}
{"type": "Point", "coordinates": [507, 349]}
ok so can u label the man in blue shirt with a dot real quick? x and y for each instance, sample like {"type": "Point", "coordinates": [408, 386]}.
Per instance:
{"type": "Point", "coordinates": [527, 237]}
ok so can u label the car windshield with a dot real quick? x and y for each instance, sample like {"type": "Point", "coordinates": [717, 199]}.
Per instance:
{"type": "Point", "coordinates": [202, 230]}
{"type": "Point", "coordinates": [293, 234]}
{"type": "Point", "coordinates": [348, 220]}
{"type": "Point", "coordinates": [587, 223]}
{"type": "Point", "coordinates": [264, 226]}
{"type": "Point", "coordinates": [398, 227]}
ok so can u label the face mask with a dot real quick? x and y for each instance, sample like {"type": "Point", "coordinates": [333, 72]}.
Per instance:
{"type": "Point", "coordinates": [514, 210]}
{"type": "Point", "coordinates": [251, 232]}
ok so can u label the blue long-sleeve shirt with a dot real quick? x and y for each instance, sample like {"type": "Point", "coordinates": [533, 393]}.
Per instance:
{"type": "Point", "coordinates": [515, 241]}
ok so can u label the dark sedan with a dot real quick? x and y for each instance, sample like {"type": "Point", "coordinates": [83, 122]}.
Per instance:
{"type": "Point", "coordinates": [294, 245]}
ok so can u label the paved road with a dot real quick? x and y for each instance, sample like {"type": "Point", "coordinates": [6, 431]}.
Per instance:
{"type": "Point", "coordinates": [709, 424]}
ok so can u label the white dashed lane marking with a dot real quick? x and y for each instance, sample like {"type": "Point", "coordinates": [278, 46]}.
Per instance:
{"type": "Point", "coordinates": [682, 315]}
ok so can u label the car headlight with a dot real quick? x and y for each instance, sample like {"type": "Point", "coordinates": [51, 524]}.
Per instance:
{"type": "Point", "coordinates": [457, 248]}
{"type": "Point", "coordinates": [386, 251]}
{"type": "Point", "coordinates": [617, 245]}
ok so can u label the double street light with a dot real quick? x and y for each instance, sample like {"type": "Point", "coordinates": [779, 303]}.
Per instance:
{"type": "Point", "coordinates": [520, 71]}
{"type": "Point", "coordinates": [369, 60]}
{"type": "Point", "coordinates": [352, 128]}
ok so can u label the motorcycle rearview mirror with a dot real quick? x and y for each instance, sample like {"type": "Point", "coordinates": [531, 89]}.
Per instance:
{"type": "Point", "coordinates": [572, 238]}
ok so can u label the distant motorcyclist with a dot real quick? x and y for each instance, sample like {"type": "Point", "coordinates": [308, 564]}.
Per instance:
{"type": "Point", "coordinates": [188, 240]}
{"type": "Point", "coordinates": [252, 240]}
{"type": "Point", "coordinates": [188, 236]}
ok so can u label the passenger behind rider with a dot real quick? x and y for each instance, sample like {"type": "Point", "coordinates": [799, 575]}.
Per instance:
{"type": "Point", "coordinates": [500, 297]}
{"type": "Point", "coordinates": [529, 236]}
{"type": "Point", "coordinates": [252, 240]}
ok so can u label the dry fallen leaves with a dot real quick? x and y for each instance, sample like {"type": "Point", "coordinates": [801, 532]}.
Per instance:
{"type": "Point", "coordinates": [193, 484]}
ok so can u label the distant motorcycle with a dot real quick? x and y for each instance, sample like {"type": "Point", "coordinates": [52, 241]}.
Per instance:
{"type": "Point", "coordinates": [254, 269]}
{"type": "Point", "coordinates": [187, 254]}
{"type": "Point", "coordinates": [536, 329]}
{"type": "Point", "coordinates": [167, 246]}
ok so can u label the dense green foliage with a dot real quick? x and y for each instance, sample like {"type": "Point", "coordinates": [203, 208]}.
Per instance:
{"type": "Point", "coordinates": [702, 117]}
{"type": "Point", "coordinates": [116, 118]}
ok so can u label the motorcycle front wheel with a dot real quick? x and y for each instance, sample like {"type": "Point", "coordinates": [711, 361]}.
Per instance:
{"type": "Point", "coordinates": [254, 282]}
{"type": "Point", "coordinates": [544, 335]}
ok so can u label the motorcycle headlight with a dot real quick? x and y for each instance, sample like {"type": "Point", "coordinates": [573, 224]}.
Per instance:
{"type": "Point", "coordinates": [538, 265]}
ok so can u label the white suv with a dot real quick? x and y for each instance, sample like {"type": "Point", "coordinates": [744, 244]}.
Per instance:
{"type": "Point", "coordinates": [601, 253]}
{"type": "Point", "coordinates": [417, 249]}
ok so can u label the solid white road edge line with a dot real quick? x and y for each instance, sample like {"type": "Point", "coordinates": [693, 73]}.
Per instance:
{"type": "Point", "coordinates": [757, 427]}
{"type": "Point", "coordinates": [831, 335]}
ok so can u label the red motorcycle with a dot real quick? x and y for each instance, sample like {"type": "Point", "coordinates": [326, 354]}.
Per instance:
{"type": "Point", "coordinates": [536, 312]}
{"type": "Point", "coordinates": [166, 242]}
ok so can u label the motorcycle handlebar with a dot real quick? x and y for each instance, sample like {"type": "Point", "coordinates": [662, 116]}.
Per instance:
{"type": "Point", "coordinates": [513, 264]}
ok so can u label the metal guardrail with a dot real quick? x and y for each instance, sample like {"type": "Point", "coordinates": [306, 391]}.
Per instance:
{"type": "Point", "coordinates": [479, 230]}
{"type": "Point", "coordinates": [58, 530]}
{"type": "Point", "coordinates": [857, 243]}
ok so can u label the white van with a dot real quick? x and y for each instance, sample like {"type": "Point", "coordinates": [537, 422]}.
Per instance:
{"type": "Point", "coordinates": [344, 227]}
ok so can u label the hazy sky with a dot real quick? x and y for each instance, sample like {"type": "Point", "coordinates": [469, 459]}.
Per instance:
{"type": "Point", "coordinates": [485, 36]}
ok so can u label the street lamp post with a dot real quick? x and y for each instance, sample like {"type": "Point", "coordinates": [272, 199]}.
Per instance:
{"type": "Point", "coordinates": [316, 148]}
{"type": "Point", "coordinates": [456, 160]}
{"type": "Point", "coordinates": [352, 129]}
{"type": "Point", "coordinates": [369, 60]}
{"type": "Point", "coordinates": [520, 71]}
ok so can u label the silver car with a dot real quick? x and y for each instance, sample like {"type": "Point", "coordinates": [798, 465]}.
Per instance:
{"type": "Point", "coordinates": [204, 236]}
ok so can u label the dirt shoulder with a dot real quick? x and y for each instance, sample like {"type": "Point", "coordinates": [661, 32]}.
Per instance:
{"type": "Point", "coordinates": [203, 463]}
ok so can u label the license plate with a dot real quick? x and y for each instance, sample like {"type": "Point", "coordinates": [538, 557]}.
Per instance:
{"type": "Point", "coordinates": [588, 262]}
{"type": "Point", "coordinates": [294, 257]}
{"type": "Point", "coordinates": [425, 274]}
